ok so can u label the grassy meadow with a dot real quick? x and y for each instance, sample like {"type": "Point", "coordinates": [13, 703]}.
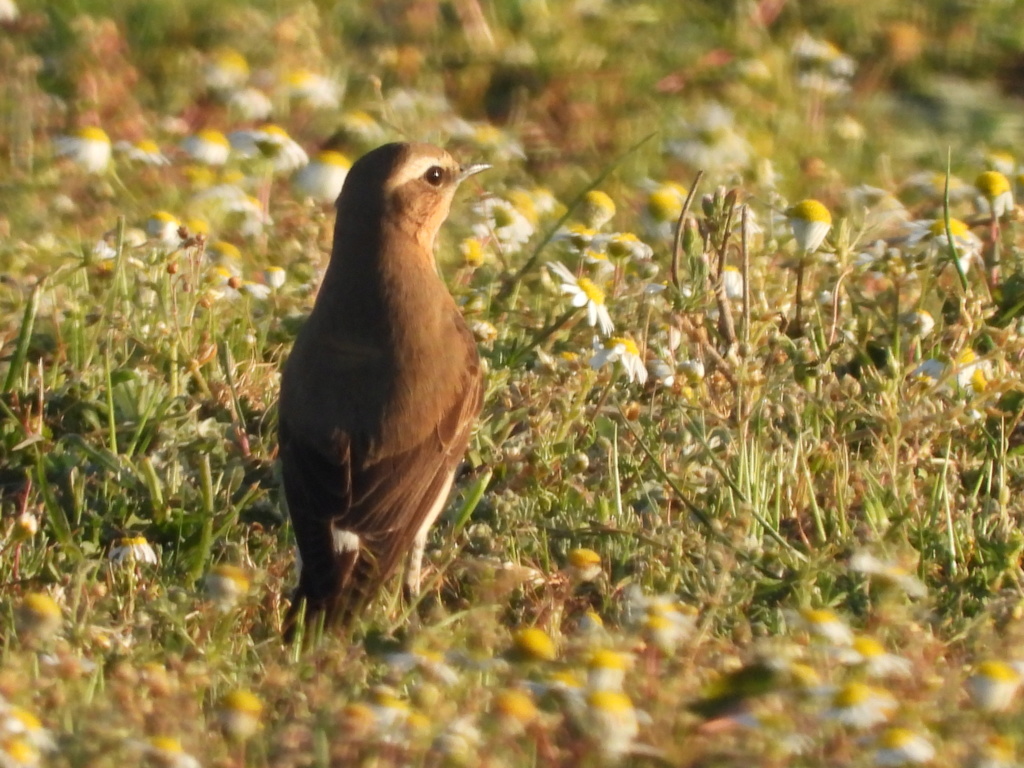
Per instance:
{"type": "Point", "coordinates": [748, 282]}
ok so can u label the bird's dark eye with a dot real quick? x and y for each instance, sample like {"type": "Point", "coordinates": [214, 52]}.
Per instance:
{"type": "Point", "coordinates": [434, 175]}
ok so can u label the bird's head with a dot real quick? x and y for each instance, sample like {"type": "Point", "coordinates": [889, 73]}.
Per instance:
{"type": "Point", "coordinates": [410, 186]}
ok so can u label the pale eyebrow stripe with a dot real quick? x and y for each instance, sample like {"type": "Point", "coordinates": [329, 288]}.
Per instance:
{"type": "Point", "coordinates": [413, 169]}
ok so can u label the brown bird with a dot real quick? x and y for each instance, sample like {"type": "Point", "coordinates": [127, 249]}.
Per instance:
{"type": "Point", "coordinates": [381, 390]}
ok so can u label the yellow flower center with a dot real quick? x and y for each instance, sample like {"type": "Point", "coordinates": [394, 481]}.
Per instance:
{"type": "Point", "coordinates": [243, 701]}
{"type": "Point", "coordinates": [656, 622]}
{"type": "Point", "coordinates": [94, 134]}
{"type": "Point", "coordinates": [515, 704]}
{"type": "Point", "coordinates": [593, 293]}
{"type": "Point", "coordinates": [853, 694]}
{"type": "Point", "coordinates": [535, 643]}
{"type": "Point", "coordinates": [225, 250]}
{"type": "Point", "coordinates": [148, 146]}
{"type": "Point", "coordinates": [232, 572]}
{"type": "Point", "coordinates": [166, 744]}
{"type": "Point", "coordinates": [998, 672]}
{"type": "Point", "coordinates": [487, 135]}
{"type": "Point", "coordinates": [29, 722]}
{"type": "Point", "coordinates": [522, 202]}
{"type": "Point", "coordinates": [992, 184]}
{"type": "Point", "coordinates": [897, 738]}
{"type": "Point", "coordinates": [473, 251]}
{"type": "Point", "coordinates": [595, 198]}
{"type": "Point", "coordinates": [622, 244]}
{"type": "Point", "coordinates": [300, 77]}
{"type": "Point", "coordinates": [956, 227]}
{"type": "Point", "coordinates": [41, 605]}
{"type": "Point", "coordinates": [229, 58]}
{"type": "Point", "coordinates": [388, 700]}
{"type": "Point", "coordinates": [804, 675]}
{"type": "Point", "coordinates": [666, 202]}
{"type": "Point", "coordinates": [818, 616]}
{"type": "Point", "coordinates": [629, 347]}
{"type": "Point", "coordinates": [359, 119]}
{"type": "Point", "coordinates": [605, 659]}
{"type": "Point", "coordinates": [810, 210]}
{"type": "Point", "coordinates": [330, 157]}
{"type": "Point", "coordinates": [584, 558]}
{"type": "Point", "coordinates": [274, 131]}
{"type": "Point", "coordinates": [868, 647]}
{"type": "Point", "coordinates": [20, 752]}
{"type": "Point", "coordinates": [580, 236]}
{"type": "Point", "coordinates": [610, 701]}
{"type": "Point", "coordinates": [214, 137]}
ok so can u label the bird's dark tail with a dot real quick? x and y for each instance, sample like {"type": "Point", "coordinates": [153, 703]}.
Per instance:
{"type": "Point", "coordinates": [334, 586]}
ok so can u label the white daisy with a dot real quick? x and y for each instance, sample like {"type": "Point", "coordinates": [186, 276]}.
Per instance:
{"type": "Point", "coordinates": [732, 282]}
{"type": "Point", "coordinates": [611, 722]}
{"type": "Point", "coordinates": [270, 141]}
{"type": "Point", "coordinates": [324, 177]}
{"type": "Point", "coordinates": [16, 721]}
{"type": "Point", "coordinates": [994, 685]}
{"type": "Point", "coordinates": [208, 146]}
{"type": "Point", "coordinates": [225, 70]}
{"type": "Point", "coordinates": [870, 655]}
{"type": "Point", "coordinates": [625, 245]}
{"type": "Point", "coordinates": [144, 151]}
{"type": "Point", "coordinates": [826, 625]}
{"type": "Point", "coordinates": [933, 185]}
{"type": "Point", "coordinates": [166, 751]}
{"type": "Point", "coordinates": [239, 714]}
{"type": "Point", "coordinates": [225, 585]}
{"type": "Point", "coordinates": [250, 104]}
{"type": "Point", "coordinates": [133, 549]}
{"type": "Point", "coordinates": [316, 91]}
{"type": "Point", "coordinates": [996, 194]}
{"type": "Point", "coordinates": [861, 706]}
{"type": "Point", "coordinates": [585, 293]}
{"type": "Point", "coordinates": [810, 222]}
{"type": "Point", "coordinates": [900, 746]}
{"type": "Point", "coordinates": [606, 669]}
{"type": "Point", "coordinates": [503, 222]}
{"type": "Point", "coordinates": [597, 209]}
{"type": "Point", "coordinates": [275, 277]}
{"type": "Point", "coordinates": [620, 350]}
{"type": "Point", "coordinates": [661, 371]}
{"type": "Point", "coordinates": [8, 11]}
{"type": "Point", "coordinates": [87, 147]}
{"type": "Point", "coordinates": [930, 234]}
{"type": "Point", "coordinates": [362, 126]}
{"type": "Point", "coordinates": [17, 751]}
{"type": "Point", "coordinates": [710, 141]}
{"type": "Point", "coordinates": [865, 562]}
{"type": "Point", "coordinates": [662, 208]}
{"type": "Point", "coordinates": [163, 227]}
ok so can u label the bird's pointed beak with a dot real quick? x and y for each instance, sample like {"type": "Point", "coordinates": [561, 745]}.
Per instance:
{"type": "Point", "coordinates": [466, 171]}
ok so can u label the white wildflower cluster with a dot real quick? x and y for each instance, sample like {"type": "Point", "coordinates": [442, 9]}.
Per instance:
{"type": "Point", "coordinates": [821, 67]}
{"type": "Point", "coordinates": [710, 141]}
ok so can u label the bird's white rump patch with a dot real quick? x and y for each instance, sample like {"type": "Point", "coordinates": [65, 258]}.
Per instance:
{"type": "Point", "coordinates": [345, 541]}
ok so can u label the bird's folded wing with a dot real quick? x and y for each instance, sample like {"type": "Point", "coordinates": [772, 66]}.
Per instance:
{"type": "Point", "coordinates": [380, 496]}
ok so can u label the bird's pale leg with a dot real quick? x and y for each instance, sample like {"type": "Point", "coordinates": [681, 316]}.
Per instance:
{"type": "Point", "coordinates": [414, 567]}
